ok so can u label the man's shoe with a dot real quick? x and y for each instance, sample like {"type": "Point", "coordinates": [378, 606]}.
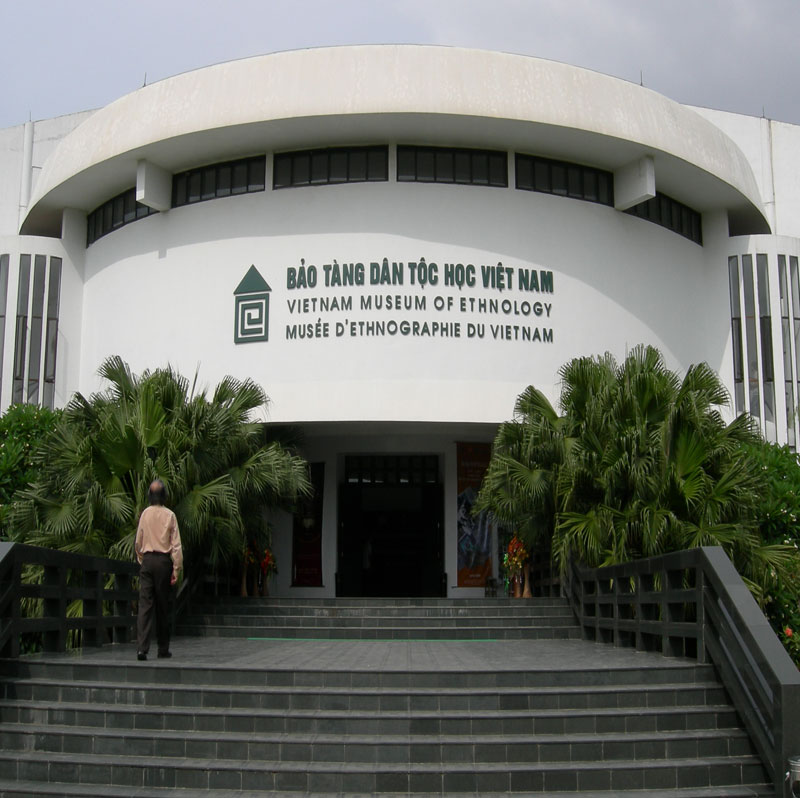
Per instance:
{"type": "Point", "coordinates": [164, 654]}
{"type": "Point", "coordinates": [141, 656]}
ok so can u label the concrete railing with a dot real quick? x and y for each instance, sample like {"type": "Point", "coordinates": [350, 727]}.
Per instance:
{"type": "Point", "coordinates": [694, 603]}
{"type": "Point", "coordinates": [103, 587]}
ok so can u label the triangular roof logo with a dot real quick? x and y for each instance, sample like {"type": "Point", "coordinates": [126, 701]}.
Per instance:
{"type": "Point", "coordinates": [253, 283]}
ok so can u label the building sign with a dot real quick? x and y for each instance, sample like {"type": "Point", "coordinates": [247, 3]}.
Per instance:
{"type": "Point", "coordinates": [252, 308]}
{"type": "Point", "coordinates": [474, 531]}
{"type": "Point", "coordinates": [403, 299]}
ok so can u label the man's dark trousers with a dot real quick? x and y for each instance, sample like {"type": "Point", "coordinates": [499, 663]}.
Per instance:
{"type": "Point", "coordinates": [154, 587]}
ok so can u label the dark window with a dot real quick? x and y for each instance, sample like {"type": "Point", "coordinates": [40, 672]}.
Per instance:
{"type": "Point", "coordinates": [224, 174]}
{"type": "Point", "coordinates": [282, 173]}
{"type": "Point", "coordinates": [209, 183]}
{"type": "Point", "coordinates": [356, 166]}
{"type": "Point", "coordinates": [115, 213]}
{"type": "Point", "coordinates": [391, 469]}
{"type": "Point", "coordinates": [21, 333]}
{"type": "Point", "coordinates": [217, 180]}
{"type": "Point", "coordinates": [565, 179]}
{"type": "Point", "coordinates": [256, 174]}
{"type": "Point", "coordinates": [667, 212]}
{"type": "Point", "coordinates": [333, 165]}
{"type": "Point", "coordinates": [51, 336]}
{"type": "Point", "coordinates": [337, 169]}
{"type": "Point", "coordinates": [36, 328]}
{"type": "Point", "coordinates": [406, 163]}
{"type": "Point", "coordinates": [129, 212]}
{"type": "Point", "coordinates": [448, 165]}
{"type": "Point", "coordinates": [194, 187]}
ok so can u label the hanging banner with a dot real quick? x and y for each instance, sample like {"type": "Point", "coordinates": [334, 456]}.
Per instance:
{"type": "Point", "coordinates": [307, 534]}
{"type": "Point", "coordinates": [474, 531]}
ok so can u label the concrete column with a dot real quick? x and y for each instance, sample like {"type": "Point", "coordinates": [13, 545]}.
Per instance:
{"type": "Point", "coordinates": [73, 236]}
{"type": "Point", "coordinates": [26, 178]}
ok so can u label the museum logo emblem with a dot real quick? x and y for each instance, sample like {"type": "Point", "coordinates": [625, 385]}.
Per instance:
{"type": "Point", "coordinates": [252, 309]}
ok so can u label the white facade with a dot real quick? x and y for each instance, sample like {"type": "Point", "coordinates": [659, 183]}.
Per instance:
{"type": "Point", "coordinates": [403, 315]}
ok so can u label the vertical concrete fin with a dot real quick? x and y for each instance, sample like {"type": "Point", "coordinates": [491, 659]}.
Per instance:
{"type": "Point", "coordinates": [634, 183]}
{"type": "Point", "coordinates": [153, 186]}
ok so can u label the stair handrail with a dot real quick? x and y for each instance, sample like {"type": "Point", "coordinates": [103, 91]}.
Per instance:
{"type": "Point", "coordinates": [694, 603]}
{"type": "Point", "coordinates": [105, 590]}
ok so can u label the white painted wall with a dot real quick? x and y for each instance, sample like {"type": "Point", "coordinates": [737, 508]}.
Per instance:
{"type": "Point", "coordinates": [771, 148]}
{"type": "Point", "coordinates": [165, 284]}
{"type": "Point", "coordinates": [47, 134]}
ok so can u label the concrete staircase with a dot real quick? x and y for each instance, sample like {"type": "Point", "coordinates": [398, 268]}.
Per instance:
{"type": "Point", "coordinates": [384, 619]}
{"type": "Point", "coordinates": [321, 717]}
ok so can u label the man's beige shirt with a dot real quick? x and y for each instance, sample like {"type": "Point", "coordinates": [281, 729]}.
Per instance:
{"type": "Point", "coordinates": [158, 531]}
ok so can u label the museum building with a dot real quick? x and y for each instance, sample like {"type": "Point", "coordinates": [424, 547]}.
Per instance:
{"type": "Point", "coordinates": [395, 241]}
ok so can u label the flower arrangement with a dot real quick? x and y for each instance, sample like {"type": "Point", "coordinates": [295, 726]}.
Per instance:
{"type": "Point", "coordinates": [257, 568]}
{"type": "Point", "coordinates": [268, 563]}
{"type": "Point", "coordinates": [515, 557]}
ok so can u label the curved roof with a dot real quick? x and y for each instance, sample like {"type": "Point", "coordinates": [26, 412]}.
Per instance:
{"type": "Point", "coordinates": [395, 93]}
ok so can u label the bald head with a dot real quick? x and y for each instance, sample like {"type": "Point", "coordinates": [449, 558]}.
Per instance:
{"type": "Point", "coordinates": [158, 492]}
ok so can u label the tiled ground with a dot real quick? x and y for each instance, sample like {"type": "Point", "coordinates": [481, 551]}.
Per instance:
{"type": "Point", "coordinates": [382, 655]}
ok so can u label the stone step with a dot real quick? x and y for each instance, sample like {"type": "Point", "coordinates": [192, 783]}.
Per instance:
{"type": "Point", "coordinates": [390, 603]}
{"type": "Point", "coordinates": [32, 789]}
{"type": "Point", "coordinates": [458, 621]}
{"type": "Point", "coordinates": [330, 718]}
{"type": "Point", "coordinates": [389, 622]}
{"type": "Point", "coordinates": [386, 749]}
{"type": "Point", "coordinates": [241, 774]}
{"type": "Point", "coordinates": [267, 609]}
{"type": "Point", "coordinates": [381, 632]}
{"type": "Point", "coordinates": [46, 692]}
{"type": "Point", "coordinates": [316, 721]}
{"type": "Point", "coordinates": [172, 672]}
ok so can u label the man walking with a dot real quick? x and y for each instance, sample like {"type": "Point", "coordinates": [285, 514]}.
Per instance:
{"type": "Point", "coordinates": [159, 552]}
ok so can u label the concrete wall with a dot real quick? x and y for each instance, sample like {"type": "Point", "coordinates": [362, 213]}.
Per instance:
{"type": "Point", "coordinates": [45, 135]}
{"type": "Point", "coordinates": [772, 149]}
{"type": "Point", "coordinates": [166, 284]}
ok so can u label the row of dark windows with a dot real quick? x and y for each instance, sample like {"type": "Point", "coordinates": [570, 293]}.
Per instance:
{"type": "Point", "coordinates": [117, 212]}
{"type": "Point", "coordinates": [414, 164]}
{"type": "Point", "coordinates": [673, 215]}
{"type": "Point", "coordinates": [391, 469]}
{"type": "Point", "coordinates": [564, 179]}
{"type": "Point", "coordinates": [336, 165]}
{"type": "Point", "coordinates": [446, 165]}
{"type": "Point", "coordinates": [219, 180]}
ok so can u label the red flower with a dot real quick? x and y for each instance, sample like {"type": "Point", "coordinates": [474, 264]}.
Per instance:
{"type": "Point", "coordinates": [788, 631]}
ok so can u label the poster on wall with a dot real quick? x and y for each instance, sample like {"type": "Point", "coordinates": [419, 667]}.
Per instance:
{"type": "Point", "coordinates": [474, 531]}
{"type": "Point", "coordinates": [307, 534]}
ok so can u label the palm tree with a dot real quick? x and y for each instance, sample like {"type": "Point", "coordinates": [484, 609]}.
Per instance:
{"type": "Point", "coordinates": [219, 465]}
{"type": "Point", "coordinates": [639, 463]}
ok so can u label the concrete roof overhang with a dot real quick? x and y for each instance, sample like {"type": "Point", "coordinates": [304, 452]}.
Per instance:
{"type": "Point", "coordinates": [395, 93]}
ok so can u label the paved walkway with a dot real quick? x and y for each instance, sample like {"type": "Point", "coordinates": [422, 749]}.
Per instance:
{"type": "Point", "coordinates": [385, 655]}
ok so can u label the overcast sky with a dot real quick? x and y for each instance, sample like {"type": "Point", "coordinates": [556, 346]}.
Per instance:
{"type": "Point", "coordinates": [61, 56]}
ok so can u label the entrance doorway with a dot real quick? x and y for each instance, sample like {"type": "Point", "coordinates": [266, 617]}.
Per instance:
{"type": "Point", "coordinates": [391, 540]}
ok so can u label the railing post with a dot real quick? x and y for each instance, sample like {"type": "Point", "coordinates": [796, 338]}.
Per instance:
{"type": "Point", "coordinates": [123, 608]}
{"type": "Point", "coordinates": [16, 608]}
{"type": "Point", "coordinates": [55, 607]}
{"type": "Point", "coordinates": [700, 603]}
{"type": "Point", "coordinates": [787, 729]}
{"type": "Point", "coordinates": [93, 607]}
